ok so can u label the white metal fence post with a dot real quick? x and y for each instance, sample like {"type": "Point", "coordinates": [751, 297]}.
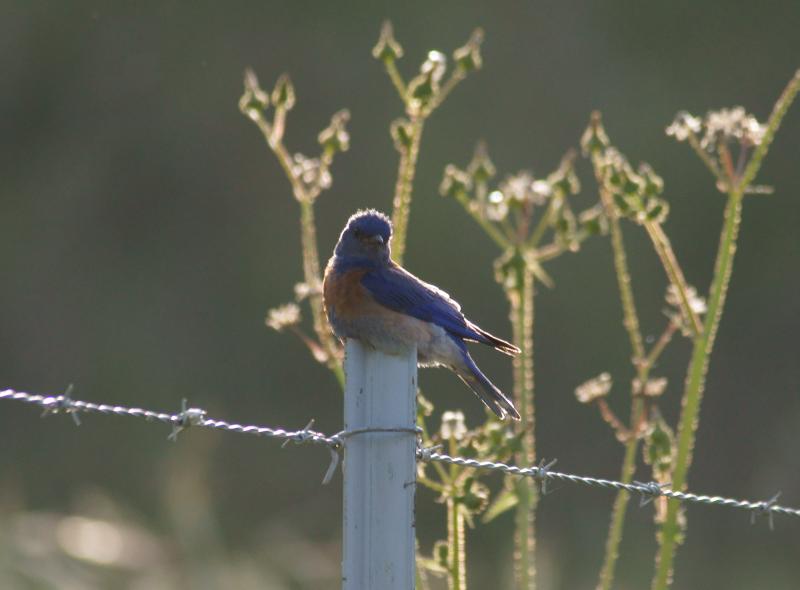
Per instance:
{"type": "Point", "coordinates": [379, 470]}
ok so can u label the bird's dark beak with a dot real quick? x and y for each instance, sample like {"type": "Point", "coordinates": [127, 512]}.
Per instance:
{"type": "Point", "coordinates": [376, 240]}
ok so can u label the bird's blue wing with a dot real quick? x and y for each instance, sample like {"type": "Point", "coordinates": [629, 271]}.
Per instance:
{"type": "Point", "coordinates": [399, 290]}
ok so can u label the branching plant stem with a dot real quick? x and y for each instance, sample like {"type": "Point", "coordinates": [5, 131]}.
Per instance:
{"type": "Point", "coordinates": [704, 343]}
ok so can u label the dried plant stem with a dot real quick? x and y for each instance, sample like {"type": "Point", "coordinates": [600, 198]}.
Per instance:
{"type": "Point", "coordinates": [522, 316]}
{"type": "Point", "coordinates": [610, 418]}
{"type": "Point", "coordinates": [311, 272]}
{"type": "Point", "coordinates": [704, 343]}
{"type": "Point", "coordinates": [308, 239]}
{"type": "Point", "coordinates": [661, 343]}
{"type": "Point", "coordinates": [403, 188]}
{"type": "Point", "coordinates": [665, 252]}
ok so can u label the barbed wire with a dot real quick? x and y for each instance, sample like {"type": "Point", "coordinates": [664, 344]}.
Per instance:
{"type": "Point", "coordinates": [648, 490]}
{"type": "Point", "coordinates": [196, 417]}
{"type": "Point", "coordinates": [179, 421]}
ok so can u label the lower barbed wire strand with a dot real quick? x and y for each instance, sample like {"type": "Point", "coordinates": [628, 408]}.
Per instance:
{"type": "Point", "coordinates": [648, 489]}
{"type": "Point", "coordinates": [195, 417]}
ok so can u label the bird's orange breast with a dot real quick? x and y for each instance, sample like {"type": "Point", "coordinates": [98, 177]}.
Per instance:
{"type": "Point", "coordinates": [343, 293]}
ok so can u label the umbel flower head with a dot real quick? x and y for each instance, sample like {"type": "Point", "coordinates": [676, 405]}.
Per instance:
{"type": "Point", "coordinates": [724, 125]}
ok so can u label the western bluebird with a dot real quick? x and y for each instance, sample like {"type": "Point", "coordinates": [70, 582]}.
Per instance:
{"type": "Point", "coordinates": [370, 298]}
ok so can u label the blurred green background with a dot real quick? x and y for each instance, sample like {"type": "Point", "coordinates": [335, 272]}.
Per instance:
{"type": "Point", "coordinates": [145, 229]}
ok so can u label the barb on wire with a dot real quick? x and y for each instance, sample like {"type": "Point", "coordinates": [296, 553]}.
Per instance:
{"type": "Point", "coordinates": [543, 477]}
{"type": "Point", "coordinates": [765, 507]}
{"type": "Point", "coordinates": [654, 490]}
{"type": "Point", "coordinates": [61, 403]}
{"type": "Point", "coordinates": [187, 417]}
{"type": "Point", "coordinates": [543, 472]}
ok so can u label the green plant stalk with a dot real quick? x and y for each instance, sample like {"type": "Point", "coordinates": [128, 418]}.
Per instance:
{"type": "Point", "coordinates": [703, 344]}
{"type": "Point", "coordinates": [630, 318]}
{"type": "Point", "coordinates": [396, 78]}
{"type": "Point", "coordinates": [620, 508]}
{"type": "Point", "coordinates": [704, 156]}
{"type": "Point", "coordinates": [522, 316]}
{"type": "Point", "coordinates": [456, 541]}
{"type": "Point", "coordinates": [631, 324]}
{"type": "Point", "coordinates": [455, 77]}
{"type": "Point", "coordinates": [457, 571]}
{"type": "Point", "coordinates": [695, 382]}
{"type": "Point", "coordinates": [403, 188]}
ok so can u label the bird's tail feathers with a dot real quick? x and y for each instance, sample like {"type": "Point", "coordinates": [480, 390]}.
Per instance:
{"type": "Point", "coordinates": [497, 343]}
{"type": "Point", "coordinates": [490, 395]}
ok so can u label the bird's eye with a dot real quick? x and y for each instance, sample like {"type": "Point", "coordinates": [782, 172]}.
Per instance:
{"type": "Point", "coordinates": [358, 233]}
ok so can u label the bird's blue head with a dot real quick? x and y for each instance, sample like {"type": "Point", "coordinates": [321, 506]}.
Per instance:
{"type": "Point", "coordinates": [366, 237]}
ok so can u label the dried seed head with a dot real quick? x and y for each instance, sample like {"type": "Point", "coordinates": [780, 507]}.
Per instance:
{"type": "Point", "coordinates": [435, 66]}
{"type": "Point", "coordinates": [564, 178]}
{"type": "Point", "coordinates": [594, 139]}
{"type": "Point", "coordinates": [684, 125]}
{"type": "Point", "coordinates": [425, 86]}
{"type": "Point", "coordinates": [594, 389]}
{"type": "Point", "coordinates": [731, 125]}
{"type": "Point", "coordinates": [481, 167]}
{"type": "Point", "coordinates": [496, 206]}
{"type": "Point", "coordinates": [652, 183]}
{"type": "Point", "coordinates": [593, 221]}
{"type": "Point", "coordinates": [283, 94]}
{"type": "Point", "coordinates": [280, 318]}
{"type": "Point", "coordinates": [455, 182]}
{"type": "Point", "coordinates": [696, 302]}
{"type": "Point", "coordinates": [523, 189]}
{"type": "Point", "coordinates": [468, 57]}
{"type": "Point", "coordinates": [254, 100]}
{"type": "Point", "coordinates": [335, 138]}
{"type": "Point", "coordinates": [304, 290]}
{"type": "Point", "coordinates": [655, 387]}
{"type": "Point", "coordinates": [312, 174]}
{"type": "Point", "coordinates": [387, 48]}
{"type": "Point", "coordinates": [453, 426]}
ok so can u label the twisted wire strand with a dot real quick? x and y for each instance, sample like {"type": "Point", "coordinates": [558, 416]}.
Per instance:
{"type": "Point", "coordinates": [649, 490]}
{"type": "Point", "coordinates": [183, 419]}
{"type": "Point", "coordinates": [195, 417]}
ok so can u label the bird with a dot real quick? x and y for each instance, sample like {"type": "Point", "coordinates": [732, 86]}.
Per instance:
{"type": "Point", "coordinates": [369, 297]}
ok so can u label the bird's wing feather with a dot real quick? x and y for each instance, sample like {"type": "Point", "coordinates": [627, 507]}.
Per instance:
{"type": "Point", "coordinates": [399, 290]}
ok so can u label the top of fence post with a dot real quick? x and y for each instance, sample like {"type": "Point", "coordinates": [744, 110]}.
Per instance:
{"type": "Point", "coordinates": [379, 469]}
